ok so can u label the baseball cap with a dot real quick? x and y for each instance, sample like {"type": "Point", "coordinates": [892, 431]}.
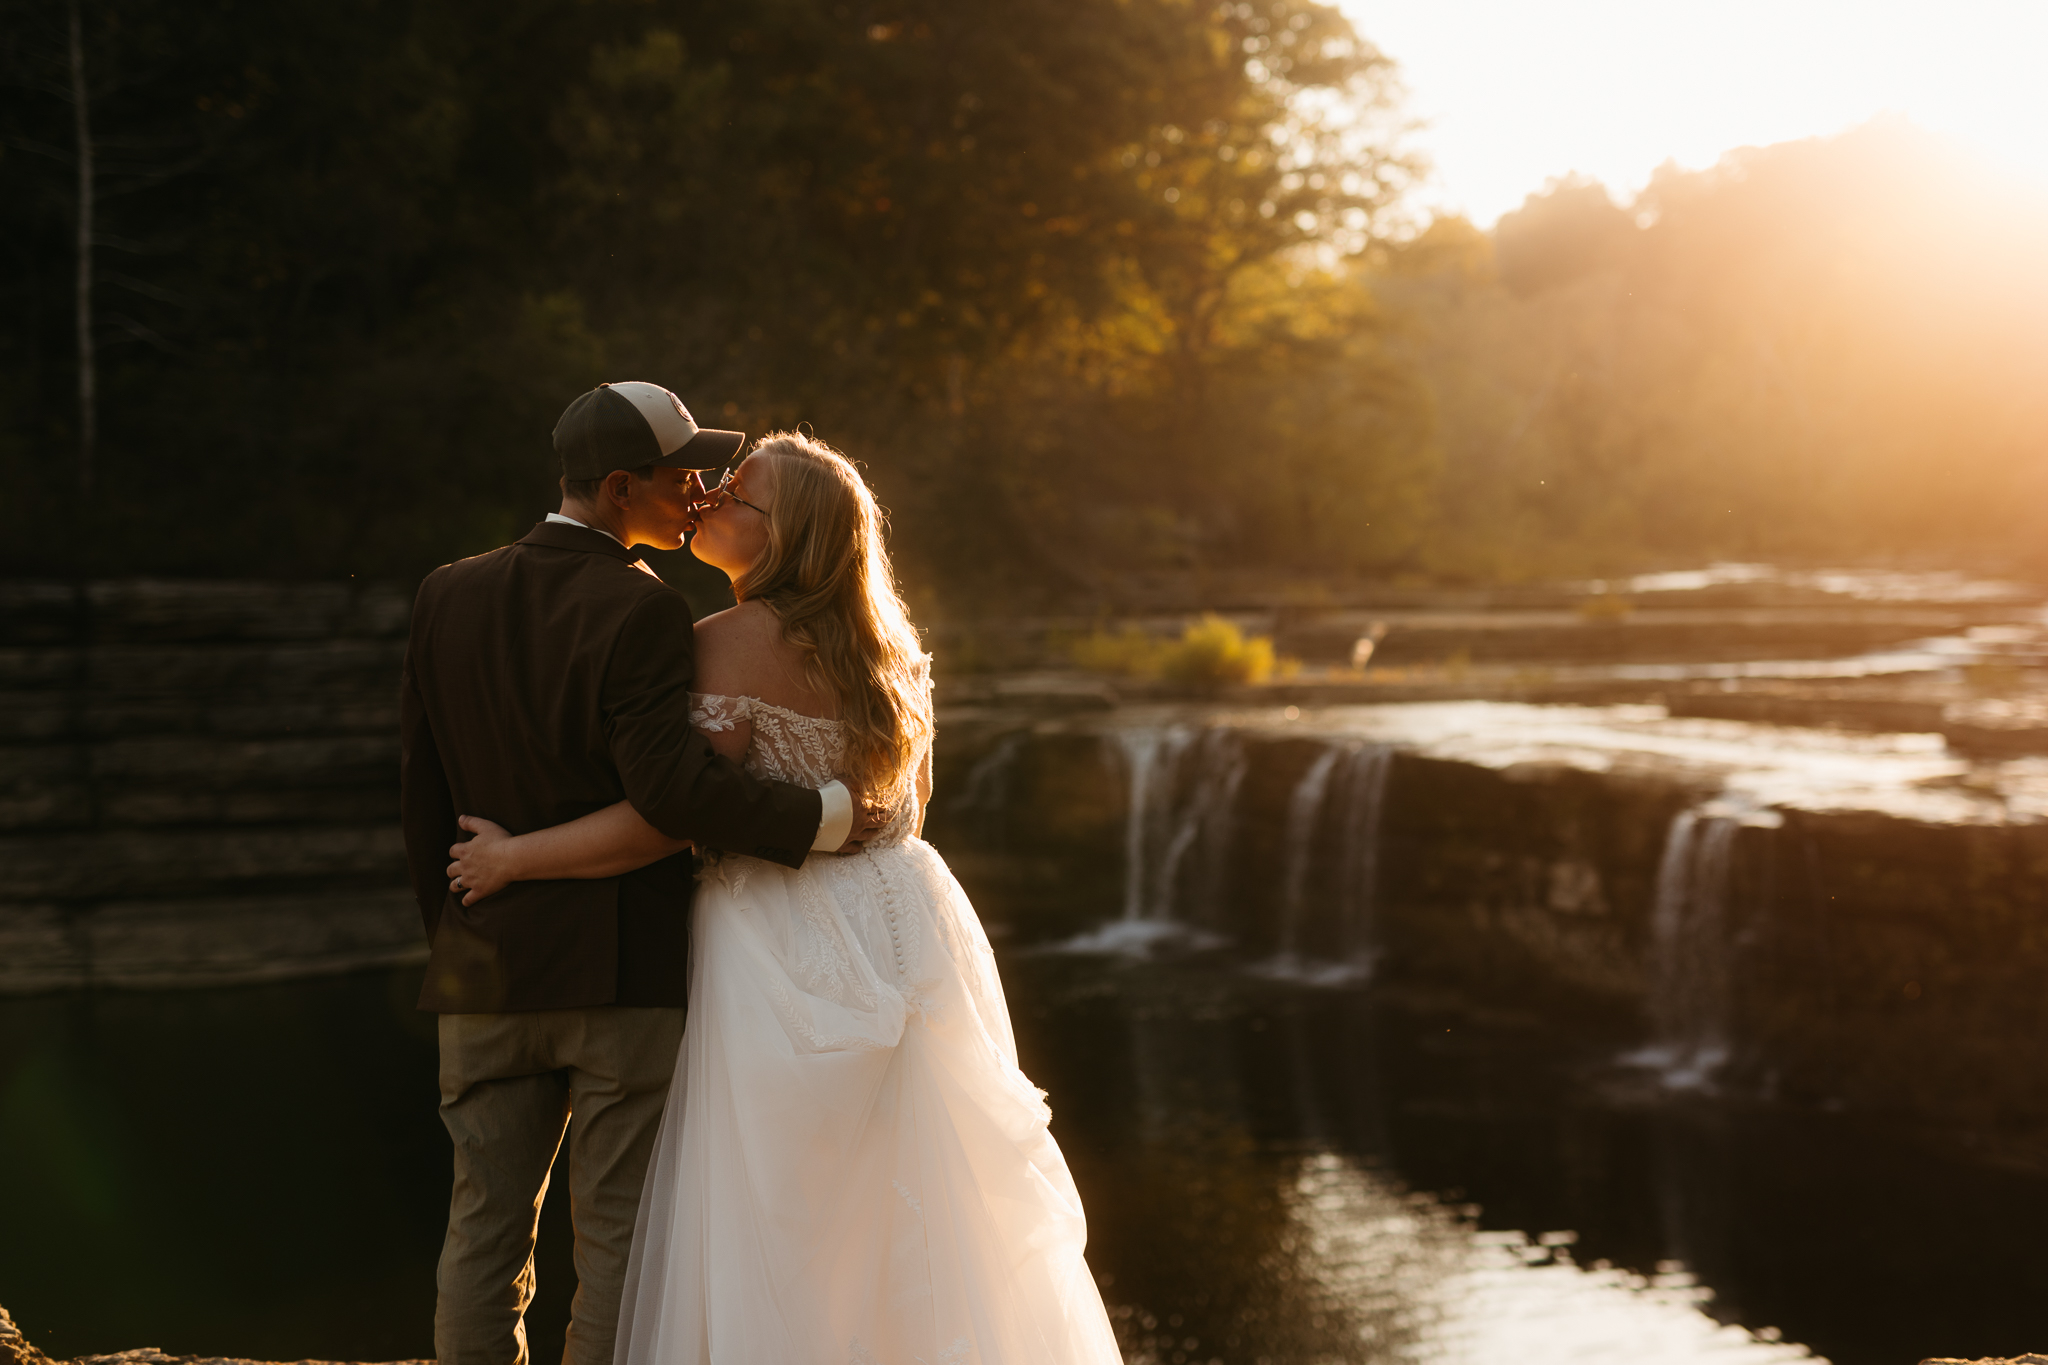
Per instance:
{"type": "Point", "coordinates": [627, 425]}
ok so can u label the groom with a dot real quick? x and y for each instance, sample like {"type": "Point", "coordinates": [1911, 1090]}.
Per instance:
{"type": "Point", "coordinates": [543, 681]}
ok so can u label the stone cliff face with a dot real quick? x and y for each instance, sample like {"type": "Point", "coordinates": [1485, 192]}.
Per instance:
{"type": "Point", "coordinates": [198, 783]}
{"type": "Point", "coordinates": [1827, 959]}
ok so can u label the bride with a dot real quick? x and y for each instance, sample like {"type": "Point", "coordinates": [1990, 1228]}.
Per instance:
{"type": "Point", "coordinates": [851, 1167]}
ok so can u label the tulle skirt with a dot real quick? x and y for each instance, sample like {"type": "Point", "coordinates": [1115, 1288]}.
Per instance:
{"type": "Point", "coordinates": [851, 1167]}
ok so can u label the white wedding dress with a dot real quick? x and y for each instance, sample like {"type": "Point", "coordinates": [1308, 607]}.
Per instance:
{"type": "Point", "coordinates": [851, 1167]}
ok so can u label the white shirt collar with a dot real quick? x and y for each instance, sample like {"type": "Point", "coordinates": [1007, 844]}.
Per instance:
{"type": "Point", "coordinates": [571, 521]}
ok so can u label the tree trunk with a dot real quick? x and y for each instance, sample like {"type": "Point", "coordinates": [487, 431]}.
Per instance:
{"type": "Point", "coordinates": [88, 378]}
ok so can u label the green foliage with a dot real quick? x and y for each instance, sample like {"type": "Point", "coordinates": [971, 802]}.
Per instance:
{"type": "Point", "coordinates": [1210, 652]}
{"type": "Point", "coordinates": [1104, 294]}
{"type": "Point", "coordinates": [1821, 350]}
{"type": "Point", "coordinates": [363, 255]}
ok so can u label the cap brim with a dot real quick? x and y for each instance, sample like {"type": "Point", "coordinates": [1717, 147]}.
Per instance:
{"type": "Point", "coordinates": [708, 449]}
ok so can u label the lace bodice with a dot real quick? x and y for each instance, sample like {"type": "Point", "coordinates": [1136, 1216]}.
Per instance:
{"type": "Point", "coordinates": [789, 746]}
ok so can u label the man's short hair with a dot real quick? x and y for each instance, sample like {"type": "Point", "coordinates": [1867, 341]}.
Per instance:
{"type": "Point", "coordinates": [586, 490]}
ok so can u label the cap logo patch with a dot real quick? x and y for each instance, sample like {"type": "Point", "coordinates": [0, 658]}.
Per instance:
{"type": "Point", "coordinates": [666, 416]}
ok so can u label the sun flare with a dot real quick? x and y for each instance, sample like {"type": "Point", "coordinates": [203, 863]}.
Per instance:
{"type": "Point", "coordinates": [1513, 94]}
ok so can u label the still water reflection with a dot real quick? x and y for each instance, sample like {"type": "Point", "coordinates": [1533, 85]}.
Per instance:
{"type": "Point", "coordinates": [1273, 1173]}
{"type": "Point", "coordinates": [1291, 1175]}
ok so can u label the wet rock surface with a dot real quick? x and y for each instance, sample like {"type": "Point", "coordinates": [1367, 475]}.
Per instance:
{"type": "Point", "coordinates": [15, 1349]}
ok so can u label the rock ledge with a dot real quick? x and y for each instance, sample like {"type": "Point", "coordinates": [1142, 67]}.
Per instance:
{"type": "Point", "coordinates": [16, 1350]}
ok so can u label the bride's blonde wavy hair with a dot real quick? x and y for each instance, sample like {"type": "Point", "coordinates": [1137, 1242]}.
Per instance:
{"type": "Point", "coordinates": [826, 575]}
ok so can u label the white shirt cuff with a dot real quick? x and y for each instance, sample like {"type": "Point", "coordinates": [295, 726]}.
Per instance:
{"type": "Point", "coordinates": [837, 821]}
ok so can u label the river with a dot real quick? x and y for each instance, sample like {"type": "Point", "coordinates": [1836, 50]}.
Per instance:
{"type": "Point", "coordinates": [1273, 1172]}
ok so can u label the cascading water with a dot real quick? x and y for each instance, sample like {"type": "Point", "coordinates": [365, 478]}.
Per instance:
{"type": "Point", "coordinates": [1183, 786]}
{"type": "Point", "coordinates": [986, 795]}
{"type": "Point", "coordinates": [1180, 838]}
{"type": "Point", "coordinates": [1188, 883]}
{"type": "Point", "coordinates": [1357, 774]}
{"type": "Point", "coordinates": [1304, 814]}
{"type": "Point", "coordinates": [1691, 943]}
{"type": "Point", "coordinates": [1362, 791]}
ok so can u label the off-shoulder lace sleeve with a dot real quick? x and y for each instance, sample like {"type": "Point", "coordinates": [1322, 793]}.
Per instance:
{"type": "Point", "coordinates": [711, 713]}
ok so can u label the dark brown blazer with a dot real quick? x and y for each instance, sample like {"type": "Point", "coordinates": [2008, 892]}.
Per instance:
{"type": "Point", "coordinates": [544, 681]}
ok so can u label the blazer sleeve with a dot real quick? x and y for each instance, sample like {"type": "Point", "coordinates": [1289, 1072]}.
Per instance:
{"type": "Point", "coordinates": [671, 774]}
{"type": "Point", "coordinates": [426, 806]}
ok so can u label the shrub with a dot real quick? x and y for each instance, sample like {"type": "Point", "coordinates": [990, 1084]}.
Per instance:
{"type": "Point", "coordinates": [1209, 653]}
{"type": "Point", "coordinates": [1212, 651]}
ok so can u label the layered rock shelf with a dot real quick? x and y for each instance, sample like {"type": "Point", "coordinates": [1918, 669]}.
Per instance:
{"type": "Point", "coordinates": [198, 783]}
{"type": "Point", "coordinates": [1833, 959]}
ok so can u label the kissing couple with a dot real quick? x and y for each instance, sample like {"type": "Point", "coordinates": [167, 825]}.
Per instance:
{"type": "Point", "coordinates": [689, 922]}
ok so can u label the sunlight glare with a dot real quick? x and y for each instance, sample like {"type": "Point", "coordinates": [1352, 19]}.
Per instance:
{"type": "Point", "coordinates": [1514, 94]}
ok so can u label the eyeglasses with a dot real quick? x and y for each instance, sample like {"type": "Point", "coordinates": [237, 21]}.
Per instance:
{"type": "Point", "coordinates": [724, 491]}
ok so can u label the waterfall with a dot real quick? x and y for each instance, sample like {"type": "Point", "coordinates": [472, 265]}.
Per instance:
{"type": "Point", "coordinates": [1304, 814]}
{"type": "Point", "coordinates": [985, 794]}
{"type": "Point", "coordinates": [1187, 872]}
{"type": "Point", "coordinates": [1178, 829]}
{"type": "Point", "coordinates": [1181, 832]}
{"type": "Point", "coordinates": [1362, 795]}
{"type": "Point", "coordinates": [1691, 945]}
{"type": "Point", "coordinates": [1357, 774]}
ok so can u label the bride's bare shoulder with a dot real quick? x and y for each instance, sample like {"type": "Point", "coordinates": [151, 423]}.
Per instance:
{"type": "Point", "coordinates": [741, 653]}
{"type": "Point", "coordinates": [731, 644]}
{"type": "Point", "coordinates": [735, 624]}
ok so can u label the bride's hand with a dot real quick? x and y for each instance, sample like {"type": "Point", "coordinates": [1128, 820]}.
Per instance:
{"type": "Point", "coordinates": [483, 863]}
{"type": "Point", "coordinates": [868, 820]}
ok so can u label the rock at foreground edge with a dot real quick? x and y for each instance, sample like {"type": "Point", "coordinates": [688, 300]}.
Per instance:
{"type": "Point", "coordinates": [16, 1350]}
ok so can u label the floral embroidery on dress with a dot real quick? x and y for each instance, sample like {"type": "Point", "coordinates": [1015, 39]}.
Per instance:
{"type": "Point", "coordinates": [714, 714]}
{"type": "Point", "coordinates": [789, 746]}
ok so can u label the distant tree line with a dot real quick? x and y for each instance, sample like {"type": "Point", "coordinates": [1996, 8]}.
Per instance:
{"type": "Point", "coordinates": [1105, 294]}
{"type": "Point", "coordinates": [1831, 349]}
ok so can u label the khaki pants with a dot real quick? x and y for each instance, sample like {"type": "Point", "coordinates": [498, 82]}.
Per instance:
{"type": "Point", "coordinates": [510, 1084]}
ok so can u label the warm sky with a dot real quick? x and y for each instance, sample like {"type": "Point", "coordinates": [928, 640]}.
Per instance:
{"type": "Point", "coordinates": [1515, 92]}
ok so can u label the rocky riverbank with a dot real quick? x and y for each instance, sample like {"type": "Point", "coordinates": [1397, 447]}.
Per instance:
{"type": "Point", "coordinates": [15, 1349]}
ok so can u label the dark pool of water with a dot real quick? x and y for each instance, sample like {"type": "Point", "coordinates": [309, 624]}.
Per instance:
{"type": "Point", "coordinates": [1272, 1174]}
